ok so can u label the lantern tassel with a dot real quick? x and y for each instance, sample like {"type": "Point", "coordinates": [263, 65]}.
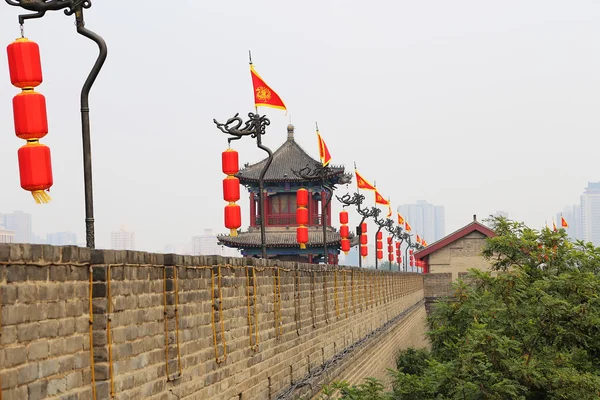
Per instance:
{"type": "Point", "coordinates": [302, 245]}
{"type": "Point", "coordinates": [233, 232]}
{"type": "Point", "coordinates": [41, 197]}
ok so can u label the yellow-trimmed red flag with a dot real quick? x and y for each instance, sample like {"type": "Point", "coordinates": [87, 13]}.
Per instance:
{"type": "Point", "coordinates": [563, 222]}
{"type": "Point", "coordinates": [389, 214]}
{"type": "Point", "coordinates": [324, 154]}
{"type": "Point", "coordinates": [363, 183]}
{"type": "Point", "coordinates": [407, 226]}
{"type": "Point", "coordinates": [424, 243]}
{"type": "Point", "coordinates": [264, 96]}
{"type": "Point", "coordinates": [380, 200]}
{"type": "Point", "coordinates": [554, 225]}
{"type": "Point", "coordinates": [419, 239]}
{"type": "Point", "coordinates": [400, 219]}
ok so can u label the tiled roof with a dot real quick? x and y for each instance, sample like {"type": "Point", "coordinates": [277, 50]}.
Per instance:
{"type": "Point", "coordinates": [282, 239]}
{"type": "Point", "coordinates": [289, 156]}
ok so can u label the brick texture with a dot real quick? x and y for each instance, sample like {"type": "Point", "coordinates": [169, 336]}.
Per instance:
{"type": "Point", "coordinates": [156, 319]}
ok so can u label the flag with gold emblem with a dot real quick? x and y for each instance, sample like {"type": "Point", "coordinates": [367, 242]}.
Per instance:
{"type": "Point", "coordinates": [400, 219]}
{"type": "Point", "coordinates": [362, 182]}
{"type": "Point", "coordinates": [264, 96]}
{"type": "Point", "coordinates": [379, 199]}
{"type": "Point", "coordinates": [424, 243]}
{"type": "Point", "coordinates": [419, 239]}
{"type": "Point", "coordinates": [407, 226]}
{"type": "Point", "coordinates": [563, 222]}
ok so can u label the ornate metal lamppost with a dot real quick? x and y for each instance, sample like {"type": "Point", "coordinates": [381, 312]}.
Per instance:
{"type": "Point", "coordinates": [386, 223]}
{"type": "Point", "coordinates": [254, 127]}
{"type": "Point", "coordinates": [75, 7]}
{"type": "Point", "coordinates": [356, 200]}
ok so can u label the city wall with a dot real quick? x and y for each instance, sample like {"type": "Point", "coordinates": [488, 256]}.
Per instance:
{"type": "Point", "coordinates": [91, 324]}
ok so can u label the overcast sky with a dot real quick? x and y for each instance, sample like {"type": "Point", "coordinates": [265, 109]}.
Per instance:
{"type": "Point", "coordinates": [477, 106]}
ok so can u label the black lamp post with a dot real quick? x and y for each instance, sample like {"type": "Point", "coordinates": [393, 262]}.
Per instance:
{"type": "Point", "coordinates": [319, 172]}
{"type": "Point", "coordinates": [386, 223]}
{"type": "Point", "coordinates": [255, 127]}
{"type": "Point", "coordinates": [40, 7]}
{"type": "Point", "coordinates": [356, 200]}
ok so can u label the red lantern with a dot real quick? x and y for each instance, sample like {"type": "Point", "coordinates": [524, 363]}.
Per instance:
{"type": "Point", "coordinates": [233, 218]}
{"type": "Point", "coordinates": [29, 111]}
{"type": "Point", "coordinates": [363, 239]}
{"type": "Point", "coordinates": [379, 254]}
{"type": "Point", "coordinates": [410, 252]}
{"type": "Point", "coordinates": [345, 245]}
{"type": "Point", "coordinates": [344, 231]}
{"type": "Point", "coordinates": [230, 162]}
{"type": "Point", "coordinates": [399, 259]}
{"type": "Point", "coordinates": [379, 245]}
{"type": "Point", "coordinates": [363, 228]}
{"type": "Point", "coordinates": [379, 235]}
{"type": "Point", "coordinates": [35, 168]}
{"type": "Point", "coordinates": [231, 189]}
{"type": "Point", "coordinates": [397, 245]}
{"type": "Point", "coordinates": [302, 216]}
{"type": "Point", "coordinates": [24, 63]}
{"type": "Point", "coordinates": [302, 236]}
{"type": "Point", "coordinates": [390, 257]}
{"type": "Point", "coordinates": [343, 217]}
{"type": "Point", "coordinates": [364, 251]}
{"type": "Point", "coordinates": [390, 240]}
{"type": "Point", "coordinates": [412, 263]}
{"type": "Point", "coordinates": [302, 197]}
{"type": "Point", "coordinates": [390, 248]}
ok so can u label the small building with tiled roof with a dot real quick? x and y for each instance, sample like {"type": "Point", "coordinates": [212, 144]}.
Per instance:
{"type": "Point", "coordinates": [281, 185]}
{"type": "Point", "coordinates": [458, 252]}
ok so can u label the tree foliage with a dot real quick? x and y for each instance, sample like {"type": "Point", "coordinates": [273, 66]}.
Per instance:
{"type": "Point", "coordinates": [528, 329]}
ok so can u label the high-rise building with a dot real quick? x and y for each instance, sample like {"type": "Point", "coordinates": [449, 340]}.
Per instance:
{"type": "Point", "coordinates": [6, 235]}
{"type": "Point", "coordinates": [590, 213]}
{"type": "Point", "coordinates": [426, 219]}
{"type": "Point", "coordinates": [205, 244]}
{"type": "Point", "coordinates": [122, 239]}
{"type": "Point", "coordinates": [20, 223]}
{"type": "Point", "coordinates": [571, 214]}
{"type": "Point", "coordinates": [62, 239]}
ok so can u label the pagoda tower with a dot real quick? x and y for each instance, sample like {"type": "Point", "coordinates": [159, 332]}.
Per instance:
{"type": "Point", "coordinates": [280, 185]}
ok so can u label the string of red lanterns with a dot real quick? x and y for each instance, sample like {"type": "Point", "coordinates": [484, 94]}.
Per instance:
{"type": "Point", "coordinates": [390, 248]}
{"type": "Point", "coordinates": [398, 253]}
{"type": "Point", "coordinates": [231, 190]}
{"type": "Point", "coordinates": [379, 245]}
{"type": "Point", "coordinates": [30, 118]}
{"type": "Point", "coordinates": [302, 217]}
{"type": "Point", "coordinates": [364, 250]}
{"type": "Point", "coordinates": [344, 231]}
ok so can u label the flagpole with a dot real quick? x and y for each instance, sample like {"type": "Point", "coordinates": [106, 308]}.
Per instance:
{"type": "Point", "coordinates": [324, 206]}
{"type": "Point", "coordinates": [360, 225]}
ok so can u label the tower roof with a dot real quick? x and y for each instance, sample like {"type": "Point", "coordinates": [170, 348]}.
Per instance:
{"type": "Point", "coordinates": [287, 158]}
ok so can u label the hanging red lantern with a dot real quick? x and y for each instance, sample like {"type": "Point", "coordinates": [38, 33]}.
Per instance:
{"type": "Point", "coordinates": [379, 235]}
{"type": "Point", "coordinates": [364, 251]}
{"type": "Point", "coordinates": [410, 252]}
{"type": "Point", "coordinates": [379, 245]}
{"type": "Point", "coordinates": [343, 217]}
{"type": "Point", "coordinates": [302, 197]}
{"type": "Point", "coordinates": [233, 218]}
{"type": "Point", "coordinates": [231, 189]}
{"type": "Point", "coordinates": [302, 236]}
{"type": "Point", "coordinates": [390, 240]}
{"type": "Point", "coordinates": [397, 245]}
{"type": "Point", "coordinates": [345, 245]}
{"type": "Point", "coordinates": [29, 111]}
{"type": "Point", "coordinates": [390, 248]}
{"type": "Point", "coordinates": [363, 239]}
{"type": "Point", "coordinates": [230, 162]}
{"type": "Point", "coordinates": [35, 170]}
{"type": "Point", "coordinates": [363, 227]}
{"type": "Point", "coordinates": [344, 231]}
{"type": "Point", "coordinates": [379, 254]}
{"type": "Point", "coordinates": [390, 257]}
{"type": "Point", "coordinates": [302, 216]}
{"type": "Point", "coordinates": [24, 63]}
{"type": "Point", "coordinates": [412, 263]}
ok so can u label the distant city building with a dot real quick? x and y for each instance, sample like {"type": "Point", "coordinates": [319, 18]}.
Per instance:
{"type": "Point", "coordinates": [206, 244]}
{"type": "Point", "coordinates": [497, 214]}
{"type": "Point", "coordinates": [590, 213]}
{"type": "Point", "coordinates": [122, 239]}
{"type": "Point", "coordinates": [62, 239]}
{"type": "Point", "coordinates": [6, 236]}
{"type": "Point", "coordinates": [571, 214]}
{"type": "Point", "coordinates": [20, 223]}
{"type": "Point", "coordinates": [425, 219]}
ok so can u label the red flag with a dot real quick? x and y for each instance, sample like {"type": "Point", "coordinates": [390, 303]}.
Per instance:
{"type": "Point", "coordinates": [400, 219]}
{"type": "Point", "coordinates": [563, 222]}
{"type": "Point", "coordinates": [554, 225]}
{"type": "Point", "coordinates": [380, 200]}
{"type": "Point", "coordinates": [418, 239]}
{"type": "Point", "coordinates": [323, 150]}
{"type": "Point", "coordinates": [407, 226]}
{"type": "Point", "coordinates": [362, 182]}
{"type": "Point", "coordinates": [263, 94]}
{"type": "Point", "coordinates": [389, 214]}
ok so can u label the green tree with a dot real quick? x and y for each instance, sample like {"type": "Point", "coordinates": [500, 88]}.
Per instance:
{"type": "Point", "coordinates": [528, 329]}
